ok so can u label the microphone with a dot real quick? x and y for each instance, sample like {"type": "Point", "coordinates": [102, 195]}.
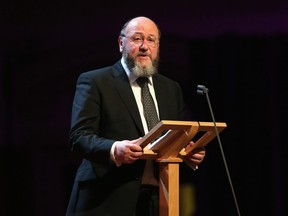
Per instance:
{"type": "Point", "coordinates": [201, 90]}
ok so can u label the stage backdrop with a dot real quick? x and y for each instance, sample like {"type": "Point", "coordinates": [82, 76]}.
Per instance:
{"type": "Point", "coordinates": [238, 51]}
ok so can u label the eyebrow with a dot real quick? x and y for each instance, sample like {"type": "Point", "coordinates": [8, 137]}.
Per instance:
{"type": "Point", "coordinates": [149, 35]}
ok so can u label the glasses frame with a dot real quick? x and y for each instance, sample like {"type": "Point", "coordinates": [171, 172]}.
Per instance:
{"type": "Point", "coordinates": [139, 41]}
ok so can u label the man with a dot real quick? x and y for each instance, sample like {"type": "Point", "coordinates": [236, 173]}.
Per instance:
{"type": "Point", "coordinates": [108, 122]}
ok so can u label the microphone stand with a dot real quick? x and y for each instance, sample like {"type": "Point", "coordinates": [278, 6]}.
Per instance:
{"type": "Point", "coordinates": [201, 89]}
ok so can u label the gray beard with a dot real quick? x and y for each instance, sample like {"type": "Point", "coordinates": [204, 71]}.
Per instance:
{"type": "Point", "coordinates": [139, 70]}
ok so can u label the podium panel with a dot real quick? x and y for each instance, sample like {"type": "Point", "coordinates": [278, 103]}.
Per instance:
{"type": "Point", "coordinates": [166, 144]}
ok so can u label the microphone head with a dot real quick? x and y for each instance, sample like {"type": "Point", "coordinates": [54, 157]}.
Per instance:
{"type": "Point", "coordinates": [200, 92]}
{"type": "Point", "coordinates": [201, 89]}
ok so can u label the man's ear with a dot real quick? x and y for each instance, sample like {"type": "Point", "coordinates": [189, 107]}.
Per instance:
{"type": "Point", "coordinates": [120, 42]}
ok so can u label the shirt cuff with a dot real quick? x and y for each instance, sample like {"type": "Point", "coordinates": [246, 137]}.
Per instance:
{"type": "Point", "coordinates": [195, 168]}
{"type": "Point", "coordinates": [112, 155]}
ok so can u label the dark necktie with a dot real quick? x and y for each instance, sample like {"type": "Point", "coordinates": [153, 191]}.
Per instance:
{"type": "Point", "coordinates": [149, 107]}
{"type": "Point", "coordinates": [150, 114]}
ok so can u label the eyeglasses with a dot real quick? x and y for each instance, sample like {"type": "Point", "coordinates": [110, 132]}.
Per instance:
{"type": "Point", "coordinates": [138, 40]}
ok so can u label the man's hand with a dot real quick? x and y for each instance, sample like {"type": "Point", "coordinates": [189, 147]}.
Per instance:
{"type": "Point", "coordinates": [196, 156]}
{"type": "Point", "coordinates": [127, 151]}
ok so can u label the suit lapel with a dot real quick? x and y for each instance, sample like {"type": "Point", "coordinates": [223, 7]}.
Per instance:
{"type": "Point", "coordinates": [162, 98]}
{"type": "Point", "coordinates": [124, 90]}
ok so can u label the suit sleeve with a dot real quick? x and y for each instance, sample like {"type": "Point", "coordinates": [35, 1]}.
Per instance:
{"type": "Point", "coordinates": [85, 122]}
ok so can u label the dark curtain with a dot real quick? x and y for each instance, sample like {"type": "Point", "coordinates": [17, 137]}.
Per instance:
{"type": "Point", "coordinates": [247, 80]}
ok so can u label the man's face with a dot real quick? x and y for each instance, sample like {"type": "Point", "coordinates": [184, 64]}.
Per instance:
{"type": "Point", "coordinates": [140, 47]}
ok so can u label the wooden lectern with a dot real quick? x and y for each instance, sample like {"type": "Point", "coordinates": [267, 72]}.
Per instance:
{"type": "Point", "coordinates": [166, 144]}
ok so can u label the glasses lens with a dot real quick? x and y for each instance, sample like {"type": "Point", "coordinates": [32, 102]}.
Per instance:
{"type": "Point", "coordinates": [139, 39]}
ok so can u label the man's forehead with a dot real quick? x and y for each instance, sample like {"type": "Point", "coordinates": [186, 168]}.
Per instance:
{"type": "Point", "coordinates": [136, 26]}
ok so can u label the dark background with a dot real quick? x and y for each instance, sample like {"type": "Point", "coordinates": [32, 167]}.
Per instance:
{"type": "Point", "coordinates": [238, 49]}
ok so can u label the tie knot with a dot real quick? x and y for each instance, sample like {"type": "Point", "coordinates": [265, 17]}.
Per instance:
{"type": "Point", "coordinates": [142, 81]}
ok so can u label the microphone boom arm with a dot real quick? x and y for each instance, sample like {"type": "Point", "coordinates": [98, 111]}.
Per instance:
{"type": "Point", "coordinates": [201, 89]}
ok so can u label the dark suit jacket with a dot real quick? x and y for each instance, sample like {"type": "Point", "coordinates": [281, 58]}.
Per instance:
{"type": "Point", "coordinates": [105, 110]}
